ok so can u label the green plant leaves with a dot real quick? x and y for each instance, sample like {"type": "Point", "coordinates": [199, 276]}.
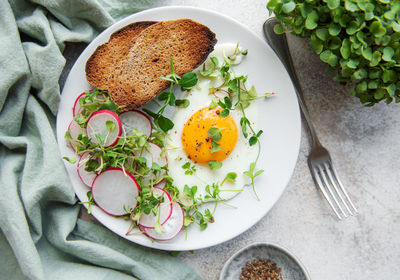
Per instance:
{"type": "Point", "coordinates": [388, 53]}
{"type": "Point", "coordinates": [164, 123]}
{"type": "Point", "coordinates": [360, 74]}
{"type": "Point", "coordinates": [214, 164]}
{"type": "Point", "coordinates": [334, 29]}
{"type": "Point", "coordinates": [288, 7]}
{"type": "Point", "coordinates": [329, 57]}
{"type": "Point", "coordinates": [345, 49]}
{"type": "Point", "coordinates": [188, 80]}
{"type": "Point", "coordinates": [322, 33]}
{"type": "Point", "coordinates": [377, 29]}
{"type": "Point", "coordinates": [360, 39]}
{"type": "Point", "coordinates": [350, 6]}
{"type": "Point", "coordinates": [376, 58]}
{"type": "Point", "coordinates": [367, 53]}
{"type": "Point", "coordinates": [352, 28]}
{"type": "Point", "coordinates": [311, 20]}
{"type": "Point", "coordinates": [279, 29]}
{"type": "Point", "coordinates": [333, 4]}
{"type": "Point", "coordinates": [389, 76]}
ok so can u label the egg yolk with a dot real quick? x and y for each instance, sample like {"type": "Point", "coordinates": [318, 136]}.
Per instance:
{"type": "Point", "coordinates": [197, 142]}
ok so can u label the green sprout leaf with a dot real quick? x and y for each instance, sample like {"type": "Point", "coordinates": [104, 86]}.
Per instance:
{"type": "Point", "coordinates": [189, 169]}
{"type": "Point", "coordinates": [214, 164]}
{"type": "Point", "coordinates": [188, 80]}
{"type": "Point", "coordinates": [164, 123]}
{"type": "Point", "coordinates": [215, 134]}
{"type": "Point", "coordinates": [224, 113]}
{"type": "Point", "coordinates": [70, 160]}
{"type": "Point", "coordinates": [109, 105]}
{"type": "Point", "coordinates": [230, 177]}
{"type": "Point", "coordinates": [182, 103]}
{"type": "Point", "coordinates": [110, 125]}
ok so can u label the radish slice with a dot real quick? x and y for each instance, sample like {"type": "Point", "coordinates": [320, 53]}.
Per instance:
{"type": "Point", "coordinates": [136, 119]}
{"type": "Point", "coordinates": [153, 154]}
{"type": "Point", "coordinates": [164, 211]}
{"type": "Point", "coordinates": [77, 107]}
{"type": "Point", "coordinates": [97, 127]}
{"type": "Point", "coordinates": [75, 129]}
{"type": "Point", "coordinates": [171, 228]}
{"type": "Point", "coordinates": [86, 176]}
{"type": "Point", "coordinates": [114, 191]}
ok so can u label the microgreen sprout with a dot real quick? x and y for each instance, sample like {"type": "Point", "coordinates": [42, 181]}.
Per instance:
{"type": "Point", "coordinates": [230, 177]}
{"type": "Point", "coordinates": [238, 97]}
{"type": "Point", "coordinates": [213, 164]}
{"type": "Point", "coordinates": [93, 101]}
{"type": "Point", "coordinates": [216, 135]}
{"type": "Point", "coordinates": [186, 82]}
{"type": "Point", "coordinates": [189, 169]}
{"type": "Point", "coordinates": [89, 202]}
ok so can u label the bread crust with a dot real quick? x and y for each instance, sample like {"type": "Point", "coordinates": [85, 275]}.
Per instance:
{"type": "Point", "coordinates": [135, 79]}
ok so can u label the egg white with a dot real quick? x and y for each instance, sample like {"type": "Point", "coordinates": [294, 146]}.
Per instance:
{"type": "Point", "coordinates": [239, 159]}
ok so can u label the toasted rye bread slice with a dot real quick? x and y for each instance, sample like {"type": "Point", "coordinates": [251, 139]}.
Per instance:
{"type": "Point", "coordinates": [102, 62]}
{"type": "Point", "coordinates": [136, 79]}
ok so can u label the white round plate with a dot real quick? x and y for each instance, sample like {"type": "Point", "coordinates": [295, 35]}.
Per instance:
{"type": "Point", "coordinates": [279, 119]}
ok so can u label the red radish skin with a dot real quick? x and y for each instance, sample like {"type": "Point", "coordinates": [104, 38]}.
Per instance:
{"type": "Point", "coordinates": [136, 119]}
{"type": "Point", "coordinates": [77, 107]}
{"type": "Point", "coordinates": [86, 177]}
{"type": "Point", "coordinates": [165, 208]}
{"type": "Point", "coordinates": [97, 125]}
{"type": "Point", "coordinates": [113, 189]}
{"type": "Point", "coordinates": [74, 130]}
{"type": "Point", "coordinates": [172, 227]}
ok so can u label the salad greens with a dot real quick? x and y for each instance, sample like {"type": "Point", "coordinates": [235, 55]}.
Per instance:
{"type": "Point", "coordinates": [127, 153]}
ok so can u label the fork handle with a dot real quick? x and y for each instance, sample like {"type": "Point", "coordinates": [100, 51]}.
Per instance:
{"type": "Point", "coordinates": [281, 48]}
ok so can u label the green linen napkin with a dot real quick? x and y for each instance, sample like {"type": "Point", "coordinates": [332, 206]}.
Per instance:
{"type": "Point", "coordinates": [41, 235]}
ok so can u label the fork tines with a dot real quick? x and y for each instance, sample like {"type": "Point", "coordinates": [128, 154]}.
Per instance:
{"type": "Point", "coordinates": [332, 188]}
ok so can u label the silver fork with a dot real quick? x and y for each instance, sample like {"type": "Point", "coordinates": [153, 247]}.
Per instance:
{"type": "Point", "coordinates": [319, 160]}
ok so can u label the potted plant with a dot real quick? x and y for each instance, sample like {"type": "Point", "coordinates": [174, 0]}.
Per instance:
{"type": "Point", "coordinates": [359, 39]}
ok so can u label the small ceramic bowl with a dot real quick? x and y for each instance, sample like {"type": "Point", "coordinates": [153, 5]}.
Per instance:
{"type": "Point", "coordinates": [291, 267]}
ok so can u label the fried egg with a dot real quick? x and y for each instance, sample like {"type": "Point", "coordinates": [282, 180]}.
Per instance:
{"type": "Point", "coordinates": [189, 140]}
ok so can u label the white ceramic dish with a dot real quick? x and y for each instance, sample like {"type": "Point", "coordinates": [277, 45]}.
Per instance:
{"type": "Point", "coordinates": [279, 119]}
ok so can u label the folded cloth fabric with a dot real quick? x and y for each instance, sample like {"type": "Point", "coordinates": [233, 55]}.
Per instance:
{"type": "Point", "coordinates": [41, 235]}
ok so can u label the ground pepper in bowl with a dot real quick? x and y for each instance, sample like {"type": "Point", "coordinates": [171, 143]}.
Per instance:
{"type": "Point", "coordinates": [261, 269]}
